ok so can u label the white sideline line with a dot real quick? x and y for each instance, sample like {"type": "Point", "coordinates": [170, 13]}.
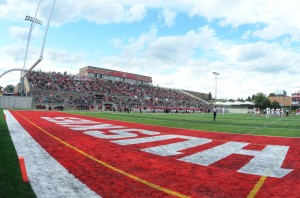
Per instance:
{"type": "Point", "coordinates": [48, 178]}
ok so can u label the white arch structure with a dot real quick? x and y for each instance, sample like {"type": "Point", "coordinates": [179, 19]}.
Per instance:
{"type": "Point", "coordinates": [14, 69]}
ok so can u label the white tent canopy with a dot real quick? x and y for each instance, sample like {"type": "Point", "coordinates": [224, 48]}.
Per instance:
{"type": "Point", "coordinates": [227, 103]}
{"type": "Point", "coordinates": [248, 103]}
{"type": "Point", "coordinates": [236, 103]}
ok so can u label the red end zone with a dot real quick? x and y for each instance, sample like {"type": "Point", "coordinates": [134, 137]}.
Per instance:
{"type": "Point", "coordinates": [120, 159]}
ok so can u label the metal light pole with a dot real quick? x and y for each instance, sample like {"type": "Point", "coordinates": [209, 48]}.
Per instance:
{"type": "Point", "coordinates": [216, 75]}
{"type": "Point", "coordinates": [33, 21]}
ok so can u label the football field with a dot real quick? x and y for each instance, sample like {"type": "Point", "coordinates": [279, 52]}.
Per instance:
{"type": "Point", "coordinates": [158, 155]}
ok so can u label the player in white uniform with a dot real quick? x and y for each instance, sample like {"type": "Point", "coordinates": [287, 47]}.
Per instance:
{"type": "Point", "coordinates": [272, 112]}
{"type": "Point", "coordinates": [268, 112]}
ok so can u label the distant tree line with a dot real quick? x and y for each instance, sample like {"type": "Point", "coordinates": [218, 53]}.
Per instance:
{"type": "Point", "coordinates": [260, 100]}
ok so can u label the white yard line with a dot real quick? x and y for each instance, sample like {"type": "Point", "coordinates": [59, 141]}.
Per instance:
{"type": "Point", "coordinates": [48, 178]}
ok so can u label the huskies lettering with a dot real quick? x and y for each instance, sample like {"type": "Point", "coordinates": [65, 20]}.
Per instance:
{"type": "Point", "coordinates": [266, 162]}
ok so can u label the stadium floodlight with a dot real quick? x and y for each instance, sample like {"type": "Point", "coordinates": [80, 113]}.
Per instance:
{"type": "Point", "coordinates": [33, 20]}
{"type": "Point", "coordinates": [216, 74]}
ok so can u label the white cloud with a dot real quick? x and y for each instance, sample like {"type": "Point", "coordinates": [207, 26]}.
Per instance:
{"type": "Point", "coordinates": [63, 56]}
{"type": "Point", "coordinates": [14, 52]}
{"type": "Point", "coordinates": [278, 16]}
{"type": "Point", "coordinates": [169, 17]}
{"type": "Point", "coordinates": [267, 57]}
{"type": "Point", "coordinates": [161, 54]}
{"type": "Point", "coordinates": [101, 12]}
{"type": "Point", "coordinates": [178, 48]}
{"type": "Point", "coordinates": [135, 13]}
{"type": "Point", "coordinates": [254, 51]}
{"type": "Point", "coordinates": [21, 33]}
{"type": "Point", "coordinates": [18, 32]}
{"type": "Point", "coordinates": [136, 46]}
{"type": "Point", "coordinates": [271, 13]}
{"type": "Point", "coordinates": [14, 9]}
{"type": "Point", "coordinates": [246, 34]}
{"type": "Point", "coordinates": [271, 32]}
{"type": "Point", "coordinates": [11, 57]}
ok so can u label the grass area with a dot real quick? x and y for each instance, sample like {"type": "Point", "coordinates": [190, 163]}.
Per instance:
{"type": "Point", "coordinates": [11, 183]}
{"type": "Point", "coordinates": [231, 123]}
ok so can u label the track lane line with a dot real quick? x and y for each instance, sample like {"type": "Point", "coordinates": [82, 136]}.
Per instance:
{"type": "Point", "coordinates": [257, 187]}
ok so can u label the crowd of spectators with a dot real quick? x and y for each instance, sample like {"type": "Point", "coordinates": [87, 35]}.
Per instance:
{"type": "Point", "coordinates": [82, 103]}
{"type": "Point", "coordinates": [137, 97]}
{"type": "Point", "coordinates": [39, 97]}
{"type": "Point", "coordinates": [41, 80]}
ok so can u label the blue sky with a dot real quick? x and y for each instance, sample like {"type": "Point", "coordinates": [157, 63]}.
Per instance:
{"type": "Point", "coordinates": [253, 44]}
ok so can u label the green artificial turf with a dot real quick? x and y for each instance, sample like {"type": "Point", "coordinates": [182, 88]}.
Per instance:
{"type": "Point", "coordinates": [231, 123]}
{"type": "Point", "coordinates": [11, 183]}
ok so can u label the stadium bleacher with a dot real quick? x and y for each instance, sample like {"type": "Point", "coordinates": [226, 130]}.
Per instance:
{"type": "Point", "coordinates": [79, 92]}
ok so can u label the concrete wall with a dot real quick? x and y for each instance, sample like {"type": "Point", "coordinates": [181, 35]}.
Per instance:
{"type": "Point", "coordinates": [11, 102]}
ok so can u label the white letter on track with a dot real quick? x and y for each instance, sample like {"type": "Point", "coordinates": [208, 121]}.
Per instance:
{"type": "Point", "coordinates": [267, 162]}
{"type": "Point", "coordinates": [169, 149]}
{"type": "Point", "coordinates": [120, 133]}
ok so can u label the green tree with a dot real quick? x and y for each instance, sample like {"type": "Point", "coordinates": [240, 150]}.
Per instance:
{"type": "Point", "coordinates": [9, 89]}
{"type": "Point", "coordinates": [249, 99]}
{"type": "Point", "coordinates": [266, 103]}
{"type": "Point", "coordinates": [275, 104]}
{"type": "Point", "coordinates": [209, 96]}
{"type": "Point", "coordinates": [258, 99]}
{"type": "Point", "coordinates": [272, 95]}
